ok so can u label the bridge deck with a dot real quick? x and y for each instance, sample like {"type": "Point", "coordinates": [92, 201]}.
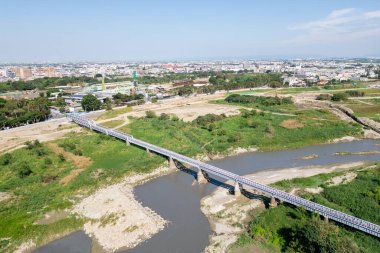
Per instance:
{"type": "Point", "coordinates": [341, 217]}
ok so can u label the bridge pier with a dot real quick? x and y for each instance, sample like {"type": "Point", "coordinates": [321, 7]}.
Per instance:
{"type": "Point", "coordinates": [273, 202]}
{"type": "Point", "coordinates": [326, 219]}
{"type": "Point", "coordinates": [201, 176]}
{"type": "Point", "coordinates": [237, 189]}
{"type": "Point", "coordinates": [171, 163]}
{"type": "Point", "coordinates": [148, 151]}
{"type": "Point", "coordinates": [128, 144]}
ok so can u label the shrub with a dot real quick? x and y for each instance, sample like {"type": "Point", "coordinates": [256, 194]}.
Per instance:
{"type": "Point", "coordinates": [24, 170]}
{"type": "Point", "coordinates": [47, 161]}
{"type": "Point", "coordinates": [41, 152]}
{"type": "Point", "coordinates": [164, 116]}
{"type": "Point", "coordinates": [61, 157]}
{"type": "Point", "coordinates": [248, 113]}
{"type": "Point", "coordinates": [78, 152]}
{"type": "Point", "coordinates": [150, 114]}
{"type": "Point", "coordinates": [206, 120]}
{"type": "Point", "coordinates": [355, 93]}
{"type": "Point", "coordinates": [339, 96]}
{"type": "Point", "coordinates": [252, 123]}
{"type": "Point", "coordinates": [175, 118]}
{"type": "Point", "coordinates": [69, 146]}
{"type": "Point", "coordinates": [6, 159]}
{"type": "Point", "coordinates": [323, 97]}
{"type": "Point", "coordinates": [267, 101]}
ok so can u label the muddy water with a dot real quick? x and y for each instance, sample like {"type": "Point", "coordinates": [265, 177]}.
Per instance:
{"type": "Point", "coordinates": [176, 197]}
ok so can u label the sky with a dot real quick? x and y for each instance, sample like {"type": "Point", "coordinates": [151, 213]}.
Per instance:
{"type": "Point", "coordinates": [151, 30]}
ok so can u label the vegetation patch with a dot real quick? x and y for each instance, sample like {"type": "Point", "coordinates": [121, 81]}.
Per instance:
{"type": "Point", "coordinates": [112, 123]}
{"type": "Point", "coordinates": [114, 113]}
{"type": "Point", "coordinates": [36, 190]}
{"type": "Point", "coordinates": [292, 229]}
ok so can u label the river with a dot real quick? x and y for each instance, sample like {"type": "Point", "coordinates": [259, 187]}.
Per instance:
{"type": "Point", "coordinates": [176, 197]}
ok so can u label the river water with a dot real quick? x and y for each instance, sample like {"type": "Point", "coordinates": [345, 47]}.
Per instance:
{"type": "Point", "coordinates": [176, 197]}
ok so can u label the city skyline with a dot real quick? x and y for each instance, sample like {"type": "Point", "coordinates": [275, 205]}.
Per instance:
{"type": "Point", "coordinates": [107, 31]}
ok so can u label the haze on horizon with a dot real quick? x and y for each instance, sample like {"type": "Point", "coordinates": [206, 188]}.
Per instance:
{"type": "Point", "coordinates": [100, 30]}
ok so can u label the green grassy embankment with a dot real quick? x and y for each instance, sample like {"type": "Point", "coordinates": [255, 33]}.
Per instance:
{"type": "Point", "coordinates": [112, 123]}
{"type": "Point", "coordinates": [114, 113]}
{"type": "Point", "coordinates": [291, 229]}
{"type": "Point", "coordinates": [33, 177]}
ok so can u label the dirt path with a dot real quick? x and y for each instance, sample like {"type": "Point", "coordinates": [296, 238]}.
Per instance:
{"type": "Point", "coordinates": [44, 131]}
{"type": "Point", "coordinates": [80, 162]}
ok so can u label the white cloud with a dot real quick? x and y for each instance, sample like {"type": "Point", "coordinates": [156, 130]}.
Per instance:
{"type": "Point", "coordinates": [339, 25]}
{"type": "Point", "coordinates": [342, 12]}
{"type": "Point", "coordinates": [372, 14]}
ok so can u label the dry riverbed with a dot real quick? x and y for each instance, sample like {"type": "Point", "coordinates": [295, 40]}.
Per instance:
{"type": "Point", "coordinates": [229, 215]}
{"type": "Point", "coordinates": [116, 220]}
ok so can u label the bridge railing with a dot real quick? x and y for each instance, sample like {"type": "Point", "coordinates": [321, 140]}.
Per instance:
{"type": "Point", "coordinates": [344, 218]}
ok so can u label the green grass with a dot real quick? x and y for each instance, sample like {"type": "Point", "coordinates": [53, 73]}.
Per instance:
{"type": "Point", "coordinates": [291, 229]}
{"type": "Point", "coordinates": [369, 108]}
{"type": "Point", "coordinates": [284, 108]}
{"type": "Point", "coordinates": [32, 197]}
{"type": "Point", "coordinates": [114, 113]}
{"type": "Point", "coordinates": [112, 123]}
{"type": "Point", "coordinates": [266, 133]}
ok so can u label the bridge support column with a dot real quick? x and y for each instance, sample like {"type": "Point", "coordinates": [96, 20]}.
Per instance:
{"type": "Point", "coordinates": [201, 176]}
{"type": "Point", "coordinates": [237, 189]}
{"type": "Point", "coordinates": [148, 151]}
{"type": "Point", "coordinates": [128, 144]}
{"type": "Point", "coordinates": [326, 219]}
{"type": "Point", "coordinates": [171, 163]}
{"type": "Point", "coordinates": [273, 202]}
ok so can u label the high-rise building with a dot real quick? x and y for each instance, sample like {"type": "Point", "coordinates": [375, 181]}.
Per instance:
{"type": "Point", "coordinates": [22, 73]}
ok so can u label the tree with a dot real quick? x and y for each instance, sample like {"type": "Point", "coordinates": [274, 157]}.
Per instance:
{"type": "Point", "coordinates": [108, 103]}
{"type": "Point", "coordinates": [90, 103]}
{"type": "Point", "coordinates": [339, 96]}
{"type": "Point", "coordinates": [24, 170]}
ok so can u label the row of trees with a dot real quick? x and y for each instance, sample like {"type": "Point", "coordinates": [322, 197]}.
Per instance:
{"type": "Point", "coordinates": [14, 113]}
{"type": "Point", "coordinates": [267, 101]}
{"type": "Point", "coordinates": [238, 81]}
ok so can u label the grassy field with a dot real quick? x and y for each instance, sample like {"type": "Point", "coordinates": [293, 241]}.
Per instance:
{"type": "Point", "coordinates": [114, 113]}
{"type": "Point", "coordinates": [249, 129]}
{"type": "Point", "coordinates": [369, 108]}
{"type": "Point", "coordinates": [285, 108]}
{"type": "Point", "coordinates": [32, 177]}
{"type": "Point", "coordinates": [290, 229]}
{"type": "Point", "coordinates": [112, 123]}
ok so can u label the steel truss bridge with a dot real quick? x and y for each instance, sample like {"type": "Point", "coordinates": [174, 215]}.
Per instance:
{"type": "Point", "coordinates": [326, 212]}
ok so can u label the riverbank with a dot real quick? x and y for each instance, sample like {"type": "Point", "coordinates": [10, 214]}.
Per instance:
{"type": "Point", "coordinates": [229, 215]}
{"type": "Point", "coordinates": [115, 219]}
{"type": "Point", "coordinates": [114, 210]}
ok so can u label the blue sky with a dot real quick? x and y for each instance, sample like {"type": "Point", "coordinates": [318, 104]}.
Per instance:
{"type": "Point", "coordinates": [116, 30]}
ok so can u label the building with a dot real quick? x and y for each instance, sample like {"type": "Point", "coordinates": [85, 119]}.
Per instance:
{"type": "Point", "coordinates": [23, 73]}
